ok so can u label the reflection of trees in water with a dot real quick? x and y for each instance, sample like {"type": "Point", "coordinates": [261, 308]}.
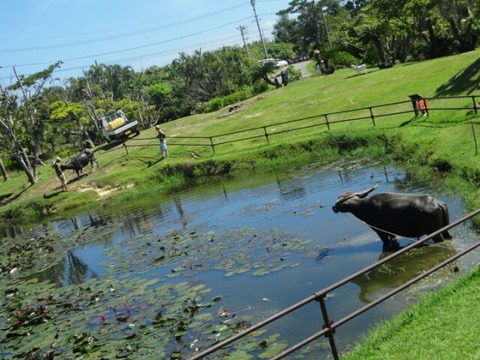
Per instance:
{"type": "Point", "coordinates": [344, 175]}
{"type": "Point", "coordinates": [94, 220]}
{"type": "Point", "coordinates": [291, 190]}
{"type": "Point", "coordinates": [100, 220]}
{"type": "Point", "coordinates": [76, 224]}
{"type": "Point", "coordinates": [53, 274]}
{"type": "Point", "coordinates": [181, 210]}
{"type": "Point", "coordinates": [11, 231]}
{"type": "Point", "coordinates": [401, 269]}
{"type": "Point", "coordinates": [138, 221]}
{"type": "Point", "coordinates": [77, 270]}
{"type": "Point", "coordinates": [71, 271]}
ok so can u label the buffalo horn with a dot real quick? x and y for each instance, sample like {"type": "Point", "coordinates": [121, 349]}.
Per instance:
{"type": "Point", "coordinates": [360, 194]}
{"type": "Point", "coordinates": [364, 193]}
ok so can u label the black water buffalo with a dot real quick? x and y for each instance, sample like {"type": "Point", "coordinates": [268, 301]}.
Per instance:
{"type": "Point", "coordinates": [80, 161]}
{"type": "Point", "coordinates": [390, 214]}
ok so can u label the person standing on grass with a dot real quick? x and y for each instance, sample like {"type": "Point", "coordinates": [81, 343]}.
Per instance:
{"type": "Point", "coordinates": [163, 142]}
{"type": "Point", "coordinates": [60, 174]}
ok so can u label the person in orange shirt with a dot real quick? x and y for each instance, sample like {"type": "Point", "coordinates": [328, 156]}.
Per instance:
{"type": "Point", "coordinates": [423, 106]}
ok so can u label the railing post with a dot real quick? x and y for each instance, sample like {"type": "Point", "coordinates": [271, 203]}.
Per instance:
{"type": "Point", "coordinates": [266, 134]}
{"type": "Point", "coordinates": [212, 144]}
{"type": "Point", "coordinates": [475, 108]}
{"type": "Point", "coordinates": [326, 121]}
{"type": "Point", "coordinates": [125, 146]}
{"type": "Point", "coordinates": [371, 115]}
{"type": "Point", "coordinates": [328, 324]}
{"type": "Point", "coordinates": [474, 137]}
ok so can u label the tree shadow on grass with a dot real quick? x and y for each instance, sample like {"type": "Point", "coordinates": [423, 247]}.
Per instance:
{"type": "Point", "coordinates": [465, 81]}
{"type": "Point", "coordinates": [405, 123]}
{"type": "Point", "coordinates": [53, 194]}
{"type": "Point", "coordinates": [8, 198]}
{"type": "Point", "coordinates": [151, 162]}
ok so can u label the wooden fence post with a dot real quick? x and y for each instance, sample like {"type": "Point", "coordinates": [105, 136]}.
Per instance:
{"type": "Point", "coordinates": [266, 134]}
{"type": "Point", "coordinates": [326, 121]}
{"type": "Point", "coordinates": [474, 137]}
{"type": "Point", "coordinates": [475, 107]}
{"type": "Point", "coordinates": [212, 144]}
{"type": "Point", "coordinates": [371, 115]}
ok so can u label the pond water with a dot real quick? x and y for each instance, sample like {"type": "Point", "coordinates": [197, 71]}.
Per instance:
{"type": "Point", "coordinates": [261, 243]}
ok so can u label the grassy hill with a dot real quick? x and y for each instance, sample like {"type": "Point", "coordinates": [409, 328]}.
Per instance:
{"type": "Point", "coordinates": [442, 141]}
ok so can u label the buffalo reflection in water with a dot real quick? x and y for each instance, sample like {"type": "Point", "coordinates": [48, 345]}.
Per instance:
{"type": "Point", "coordinates": [401, 269]}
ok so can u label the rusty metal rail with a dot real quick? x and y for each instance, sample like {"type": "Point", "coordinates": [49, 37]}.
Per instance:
{"type": "Point", "coordinates": [329, 326]}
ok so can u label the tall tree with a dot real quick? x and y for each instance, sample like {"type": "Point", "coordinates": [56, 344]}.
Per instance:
{"type": "Point", "coordinates": [308, 15]}
{"type": "Point", "coordinates": [23, 113]}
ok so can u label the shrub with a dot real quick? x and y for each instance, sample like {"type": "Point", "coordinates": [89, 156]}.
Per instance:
{"type": "Point", "coordinates": [343, 58]}
{"type": "Point", "coordinates": [218, 103]}
{"type": "Point", "coordinates": [215, 104]}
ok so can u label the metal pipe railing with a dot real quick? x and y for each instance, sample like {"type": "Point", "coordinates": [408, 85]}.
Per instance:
{"type": "Point", "coordinates": [330, 326]}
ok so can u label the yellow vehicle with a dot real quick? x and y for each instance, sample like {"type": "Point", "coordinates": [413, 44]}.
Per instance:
{"type": "Point", "coordinates": [116, 126]}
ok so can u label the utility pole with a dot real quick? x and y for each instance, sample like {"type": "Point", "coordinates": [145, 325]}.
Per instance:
{"type": "Point", "coordinates": [242, 29]}
{"type": "Point", "coordinates": [259, 30]}
{"type": "Point", "coordinates": [325, 8]}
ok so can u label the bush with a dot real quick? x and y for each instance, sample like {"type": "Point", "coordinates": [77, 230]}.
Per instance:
{"type": "Point", "coordinates": [295, 74]}
{"type": "Point", "coordinates": [215, 104]}
{"type": "Point", "coordinates": [259, 87]}
{"type": "Point", "coordinates": [218, 103]}
{"type": "Point", "coordinates": [343, 58]}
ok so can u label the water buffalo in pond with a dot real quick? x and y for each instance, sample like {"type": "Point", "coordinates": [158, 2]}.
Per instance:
{"type": "Point", "coordinates": [390, 214]}
{"type": "Point", "coordinates": [80, 161]}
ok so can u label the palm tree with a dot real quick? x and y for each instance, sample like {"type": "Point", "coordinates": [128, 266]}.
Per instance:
{"type": "Point", "coordinates": [261, 72]}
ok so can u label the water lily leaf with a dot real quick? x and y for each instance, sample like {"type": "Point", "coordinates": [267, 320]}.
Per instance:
{"type": "Point", "coordinates": [261, 272]}
{"type": "Point", "coordinates": [239, 355]}
{"type": "Point", "coordinates": [273, 350]}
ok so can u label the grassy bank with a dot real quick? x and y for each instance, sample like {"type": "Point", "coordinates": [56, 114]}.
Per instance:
{"type": "Point", "coordinates": [442, 326]}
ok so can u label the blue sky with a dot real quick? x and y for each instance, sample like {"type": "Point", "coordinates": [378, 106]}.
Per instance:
{"type": "Point", "coordinates": [36, 33]}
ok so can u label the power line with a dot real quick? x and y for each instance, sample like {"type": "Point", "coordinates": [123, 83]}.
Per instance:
{"type": "Point", "coordinates": [136, 47]}
{"type": "Point", "coordinates": [140, 57]}
{"type": "Point", "coordinates": [169, 52]}
{"type": "Point", "coordinates": [119, 36]}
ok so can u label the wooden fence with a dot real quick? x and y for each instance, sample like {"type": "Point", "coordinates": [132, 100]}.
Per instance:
{"type": "Point", "coordinates": [370, 113]}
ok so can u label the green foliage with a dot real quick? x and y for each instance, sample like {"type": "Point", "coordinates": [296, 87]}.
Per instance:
{"type": "Point", "coordinates": [219, 103]}
{"type": "Point", "coordinates": [342, 59]}
{"type": "Point", "coordinates": [281, 50]}
{"type": "Point", "coordinates": [259, 87]}
{"type": "Point", "coordinates": [215, 104]}
{"type": "Point", "coordinates": [12, 214]}
{"type": "Point", "coordinates": [159, 93]}
{"type": "Point", "coordinates": [295, 74]}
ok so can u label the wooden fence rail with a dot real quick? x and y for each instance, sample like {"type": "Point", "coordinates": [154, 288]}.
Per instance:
{"type": "Point", "coordinates": [371, 113]}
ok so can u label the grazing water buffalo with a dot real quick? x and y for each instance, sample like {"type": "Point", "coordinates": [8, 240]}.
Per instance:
{"type": "Point", "coordinates": [80, 161]}
{"type": "Point", "coordinates": [390, 214]}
